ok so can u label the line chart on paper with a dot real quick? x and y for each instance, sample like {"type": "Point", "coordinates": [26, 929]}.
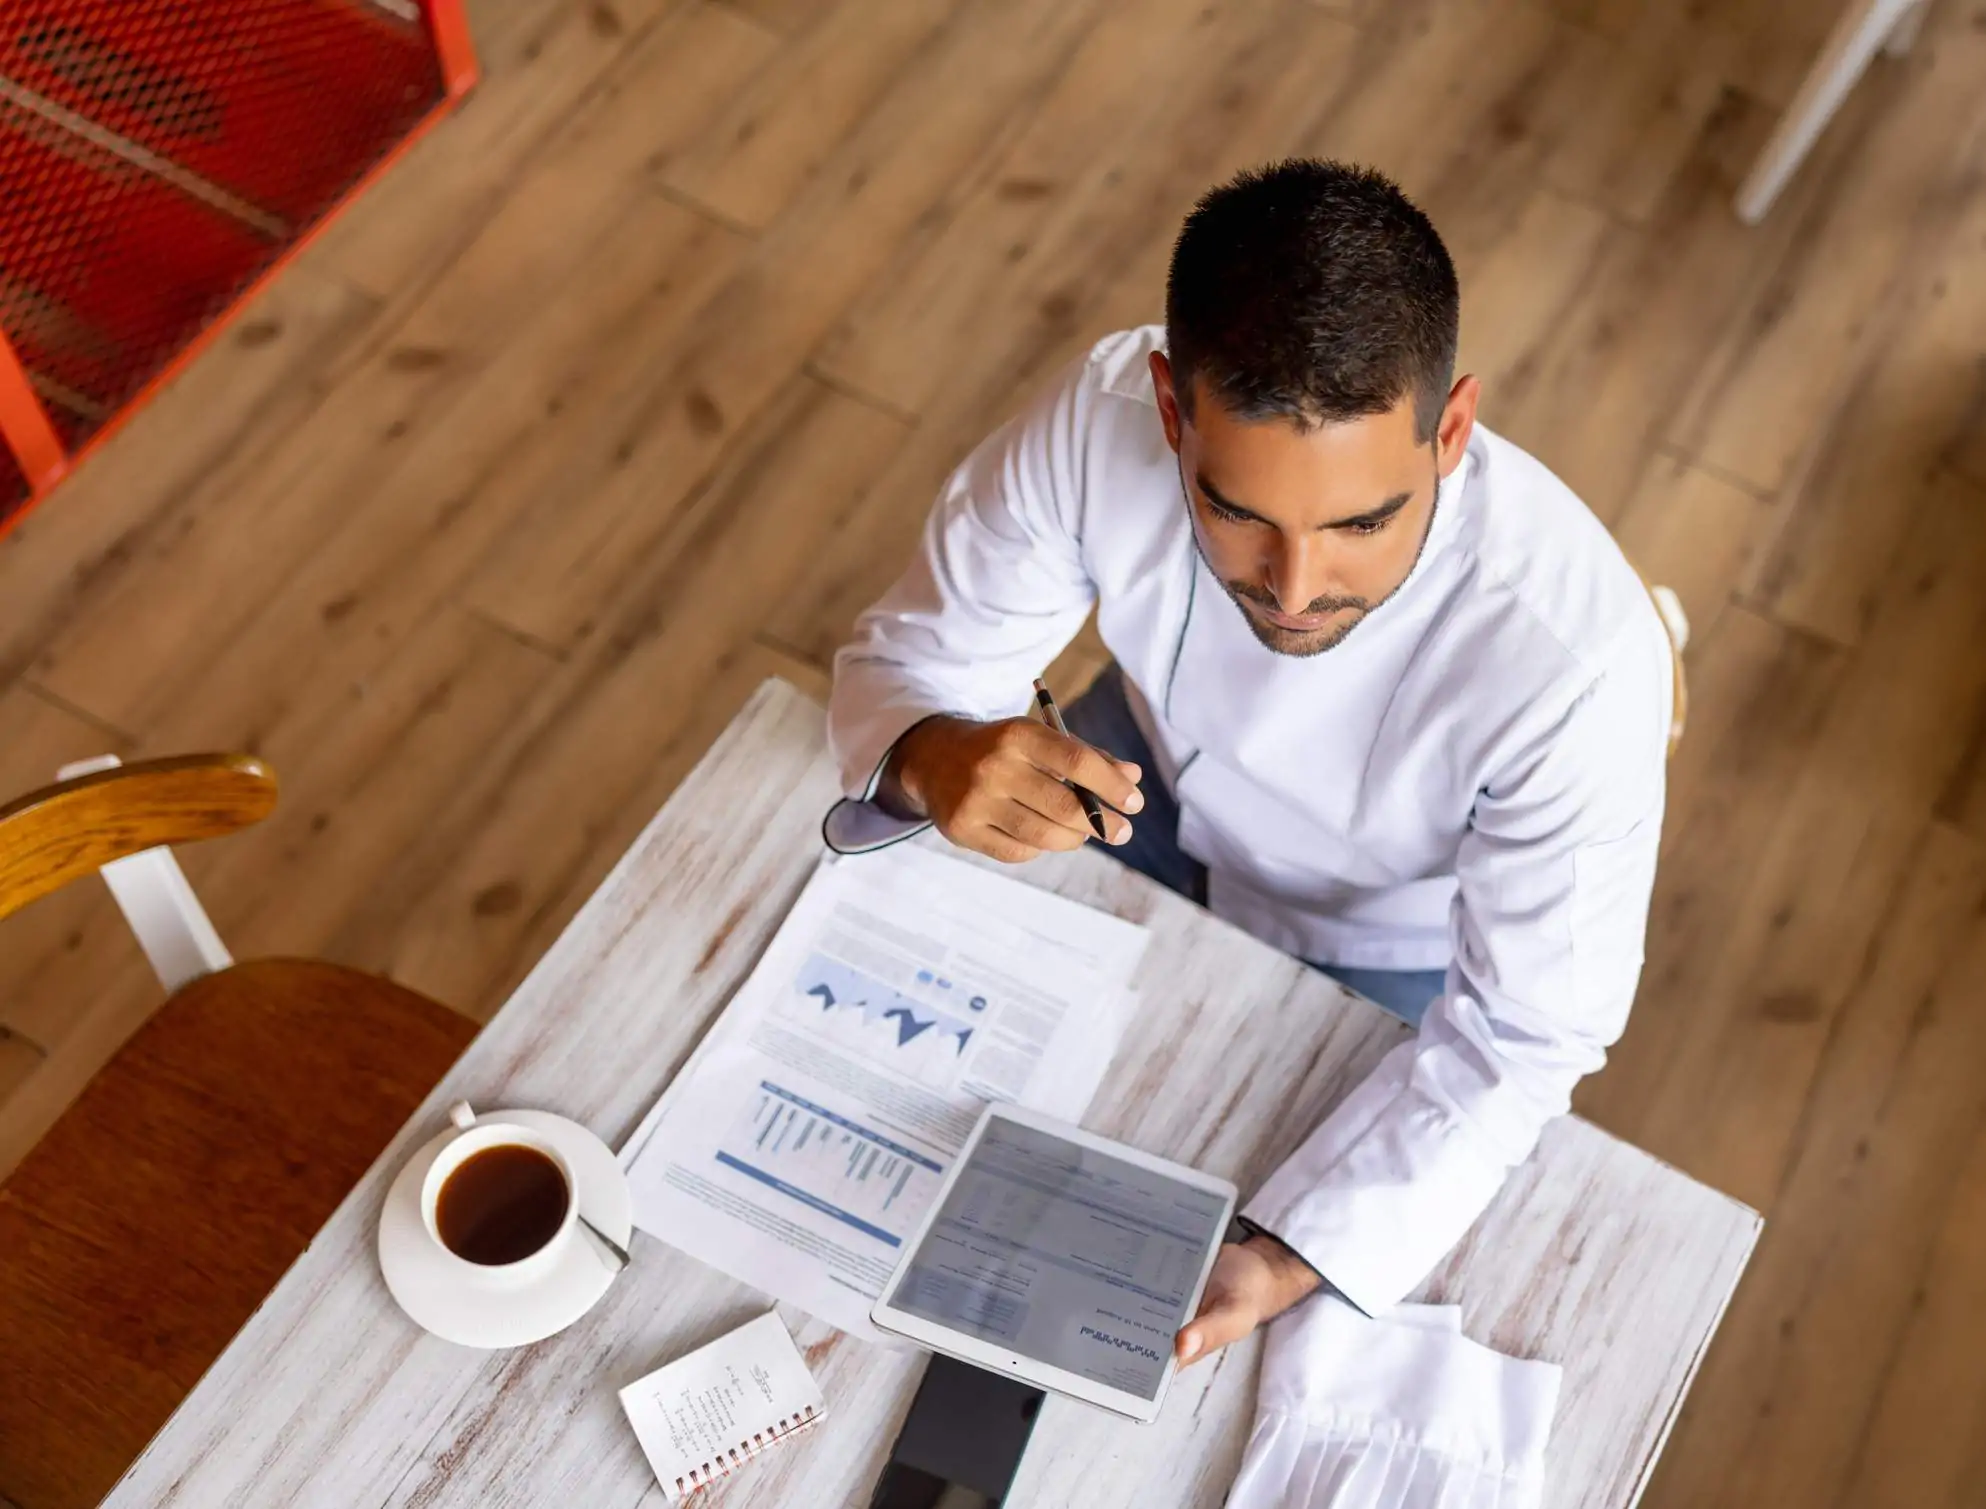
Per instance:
{"type": "Point", "coordinates": [924, 1036]}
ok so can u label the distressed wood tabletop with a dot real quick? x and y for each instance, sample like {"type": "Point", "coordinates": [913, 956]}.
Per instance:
{"type": "Point", "coordinates": [1595, 1255]}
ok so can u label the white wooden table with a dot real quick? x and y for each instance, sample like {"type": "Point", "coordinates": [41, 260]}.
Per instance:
{"type": "Point", "coordinates": [1595, 1256]}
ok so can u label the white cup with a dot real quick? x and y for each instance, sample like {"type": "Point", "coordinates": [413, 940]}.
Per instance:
{"type": "Point", "coordinates": [471, 1138]}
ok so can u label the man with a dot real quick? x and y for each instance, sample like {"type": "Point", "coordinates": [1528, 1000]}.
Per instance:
{"type": "Point", "coordinates": [1419, 744]}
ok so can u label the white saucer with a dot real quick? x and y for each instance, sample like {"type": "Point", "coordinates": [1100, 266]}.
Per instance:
{"type": "Point", "coordinates": [429, 1287]}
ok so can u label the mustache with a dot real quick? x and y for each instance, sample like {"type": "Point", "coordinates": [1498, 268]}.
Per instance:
{"type": "Point", "coordinates": [1262, 597]}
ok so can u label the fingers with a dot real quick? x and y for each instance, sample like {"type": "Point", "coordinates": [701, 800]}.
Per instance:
{"type": "Point", "coordinates": [1069, 759]}
{"type": "Point", "coordinates": [1016, 834]}
{"type": "Point", "coordinates": [1021, 833]}
{"type": "Point", "coordinates": [1226, 1320]}
{"type": "Point", "coordinates": [1029, 827]}
{"type": "Point", "coordinates": [1001, 846]}
{"type": "Point", "coordinates": [1056, 802]}
{"type": "Point", "coordinates": [1008, 796]}
{"type": "Point", "coordinates": [1012, 832]}
{"type": "Point", "coordinates": [1063, 832]}
{"type": "Point", "coordinates": [1236, 1301]}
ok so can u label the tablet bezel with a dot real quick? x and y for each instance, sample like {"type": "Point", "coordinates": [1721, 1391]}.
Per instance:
{"type": "Point", "coordinates": [968, 1348]}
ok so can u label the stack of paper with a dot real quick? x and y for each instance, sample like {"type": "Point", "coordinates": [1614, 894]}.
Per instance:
{"type": "Point", "coordinates": [805, 1138]}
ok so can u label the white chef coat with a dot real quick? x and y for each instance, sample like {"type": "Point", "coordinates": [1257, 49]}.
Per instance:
{"type": "Point", "coordinates": [1472, 780]}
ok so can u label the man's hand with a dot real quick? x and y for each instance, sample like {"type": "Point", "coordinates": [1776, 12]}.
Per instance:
{"type": "Point", "coordinates": [1253, 1282]}
{"type": "Point", "coordinates": [998, 788]}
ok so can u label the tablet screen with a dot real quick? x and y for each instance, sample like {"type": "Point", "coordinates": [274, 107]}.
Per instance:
{"type": "Point", "coordinates": [1064, 1255]}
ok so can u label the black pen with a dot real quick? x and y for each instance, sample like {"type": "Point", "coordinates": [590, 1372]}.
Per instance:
{"type": "Point", "coordinates": [1046, 700]}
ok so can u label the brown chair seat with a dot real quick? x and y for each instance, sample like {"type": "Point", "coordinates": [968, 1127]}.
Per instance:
{"type": "Point", "coordinates": [161, 1209]}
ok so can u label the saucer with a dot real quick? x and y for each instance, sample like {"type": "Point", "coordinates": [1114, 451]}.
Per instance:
{"type": "Point", "coordinates": [429, 1286]}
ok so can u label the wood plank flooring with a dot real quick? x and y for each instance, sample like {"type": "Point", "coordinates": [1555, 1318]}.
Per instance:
{"type": "Point", "coordinates": [633, 382]}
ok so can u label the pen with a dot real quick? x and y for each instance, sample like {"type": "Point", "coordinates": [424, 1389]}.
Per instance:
{"type": "Point", "coordinates": [1046, 699]}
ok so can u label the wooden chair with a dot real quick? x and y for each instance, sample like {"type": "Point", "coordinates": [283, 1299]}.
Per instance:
{"type": "Point", "coordinates": [147, 1225]}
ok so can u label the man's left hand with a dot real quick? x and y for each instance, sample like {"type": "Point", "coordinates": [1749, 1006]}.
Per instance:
{"type": "Point", "coordinates": [1252, 1283]}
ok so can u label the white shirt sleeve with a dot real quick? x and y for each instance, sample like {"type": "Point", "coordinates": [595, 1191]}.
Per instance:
{"type": "Point", "coordinates": [1555, 874]}
{"type": "Point", "coordinates": [997, 588]}
{"type": "Point", "coordinates": [1403, 1413]}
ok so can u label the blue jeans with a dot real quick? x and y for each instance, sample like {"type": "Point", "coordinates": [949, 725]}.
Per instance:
{"type": "Point", "coordinates": [1102, 717]}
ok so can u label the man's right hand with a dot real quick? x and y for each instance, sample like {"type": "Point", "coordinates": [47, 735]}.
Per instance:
{"type": "Point", "coordinates": [999, 788]}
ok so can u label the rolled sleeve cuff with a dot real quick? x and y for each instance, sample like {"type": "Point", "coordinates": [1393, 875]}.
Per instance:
{"type": "Point", "coordinates": [853, 827]}
{"type": "Point", "coordinates": [863, 750]}
{"type": "Point", "coordinates": [855, 824]}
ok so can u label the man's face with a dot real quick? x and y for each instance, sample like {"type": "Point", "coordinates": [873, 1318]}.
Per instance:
{"type": "Point", "coordinates": [1309, 531]}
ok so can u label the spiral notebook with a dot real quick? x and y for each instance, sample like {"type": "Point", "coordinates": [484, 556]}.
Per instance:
{"type": "Point", "coordinates": [702, 1417]}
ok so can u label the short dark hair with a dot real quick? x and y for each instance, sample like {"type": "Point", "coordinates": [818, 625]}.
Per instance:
{"type": "Point", "coordinates": [1312, 291]}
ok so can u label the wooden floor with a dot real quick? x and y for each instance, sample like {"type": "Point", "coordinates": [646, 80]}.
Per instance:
{"type": "Point", "coordinates": [633, 382]}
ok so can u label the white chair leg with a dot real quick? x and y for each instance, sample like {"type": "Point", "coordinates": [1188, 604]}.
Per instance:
{"type": "Point", "coordinates": [152, 891]}
{"type": "Point", "coordinates": [1673, 618]}
{"type": "Point", "coordinates": [1903, 36]}
{"type": "Point", "coordinates": [1863, 28]}
{"type": "Point", "coordinates": [1675, 625]}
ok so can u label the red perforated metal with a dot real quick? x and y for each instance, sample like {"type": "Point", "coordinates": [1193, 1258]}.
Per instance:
{"type": "Point", "coordinates": [284, 103]}
{"type": "Point", "coordinates": [106, 270]}
{"type": "Point", "coordinates": [157, 156]}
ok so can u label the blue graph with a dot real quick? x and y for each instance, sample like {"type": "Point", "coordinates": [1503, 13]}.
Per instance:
{"type": "Point", "coordinates": [834, 986]}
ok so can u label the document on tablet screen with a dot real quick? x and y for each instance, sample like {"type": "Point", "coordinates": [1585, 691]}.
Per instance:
{"type": "Point", "coordinates": [1065, 1255]}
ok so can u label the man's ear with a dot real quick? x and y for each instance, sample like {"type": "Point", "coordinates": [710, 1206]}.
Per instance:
{"type": "Point", "coordinates": [1168, 399]}
{"type": "Point", "coordinates": [1458, 422]}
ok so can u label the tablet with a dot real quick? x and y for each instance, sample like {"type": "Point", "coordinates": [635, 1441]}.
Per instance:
{"type": "Point", "coordinates": [1060, 1258]}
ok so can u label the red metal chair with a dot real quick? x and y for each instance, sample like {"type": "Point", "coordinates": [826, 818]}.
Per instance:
{"type": "Point", "coordinates": [158, 161]}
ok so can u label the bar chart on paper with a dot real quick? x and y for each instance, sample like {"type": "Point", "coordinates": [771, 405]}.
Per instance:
{"type": "Point", "coordinates": [831, 1164]}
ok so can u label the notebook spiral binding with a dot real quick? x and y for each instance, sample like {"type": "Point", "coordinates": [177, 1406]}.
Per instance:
{"type": "Point", "coordinates": [723, 1466]}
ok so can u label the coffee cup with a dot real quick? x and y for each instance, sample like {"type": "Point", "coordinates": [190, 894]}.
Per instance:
{"type": "Point", "coordinates": [499, 1201]}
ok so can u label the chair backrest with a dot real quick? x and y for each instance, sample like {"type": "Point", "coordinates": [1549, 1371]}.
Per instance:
{"type": "Point", "coordinates": [75, 827]}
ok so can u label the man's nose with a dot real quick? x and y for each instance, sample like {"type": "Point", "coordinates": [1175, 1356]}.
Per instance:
{"type": "Point", "coordinates": [1298, 572]}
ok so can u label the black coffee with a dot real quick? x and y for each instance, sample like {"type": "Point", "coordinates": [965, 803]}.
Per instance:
{"type": "Point", "coordinates": [501, 1205]}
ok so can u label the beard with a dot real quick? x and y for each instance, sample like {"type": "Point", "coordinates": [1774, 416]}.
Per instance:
{"type": "Point", "coordinates": [1349, 613]}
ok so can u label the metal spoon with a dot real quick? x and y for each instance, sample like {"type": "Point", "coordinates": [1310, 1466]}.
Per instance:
{"type": "Point", "coordinates": [609, 1251]}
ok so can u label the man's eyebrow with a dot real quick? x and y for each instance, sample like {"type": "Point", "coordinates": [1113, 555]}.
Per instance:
{"type": "Point", "coordinates": [1364, 520]}
{"type": "Point", "coordinates": [1224, 502]}
{"type": "Point", "coordinates": [1373, 516]}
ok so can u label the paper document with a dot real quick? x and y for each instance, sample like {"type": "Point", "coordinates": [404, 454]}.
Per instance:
{"type": "Point", "coordinates": [806, 1137]}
